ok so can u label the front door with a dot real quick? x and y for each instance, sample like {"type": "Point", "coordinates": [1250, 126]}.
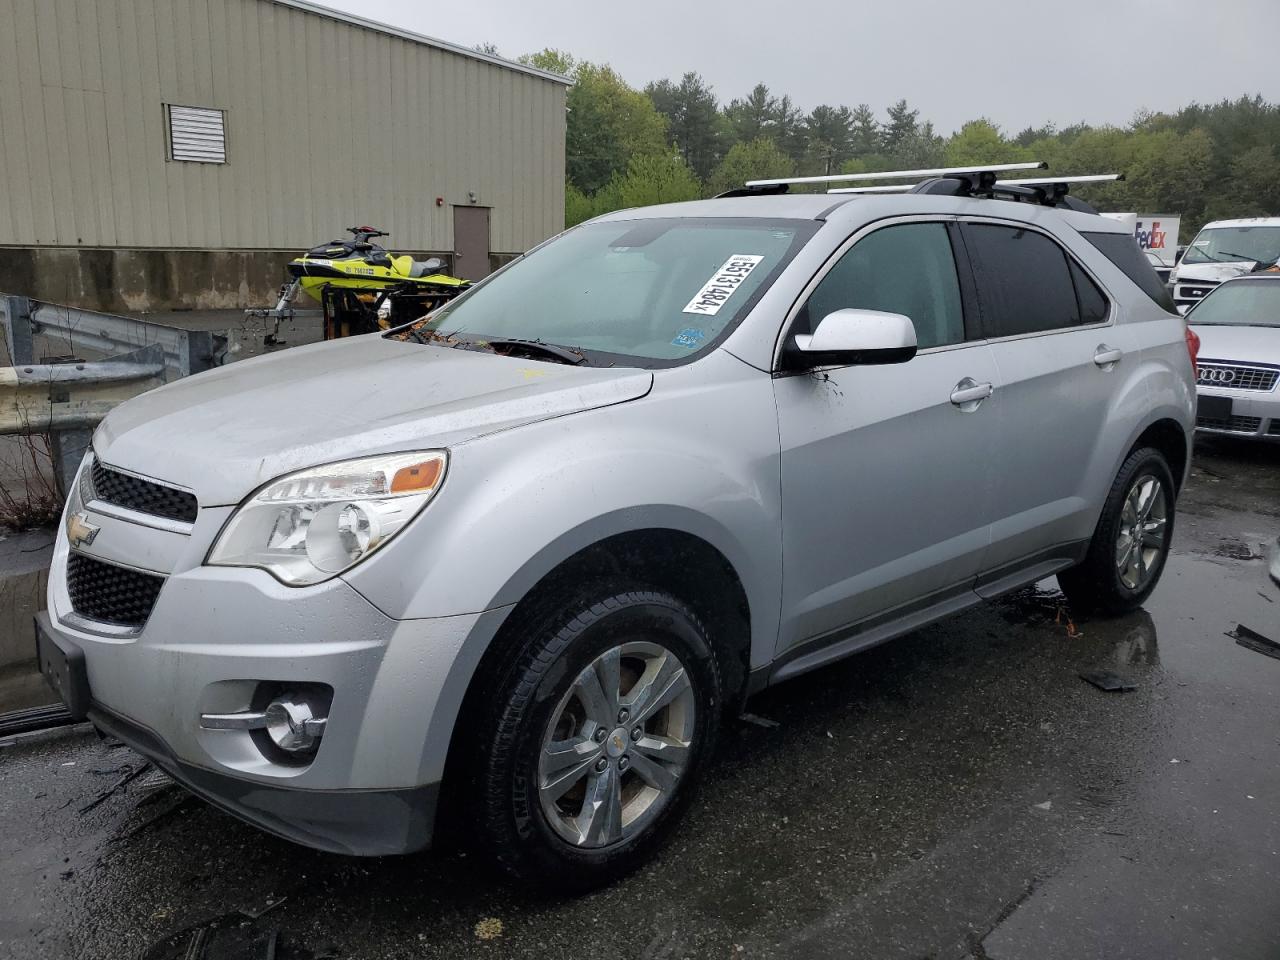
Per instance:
{"type": "Point", "coordinates": [886, 470]}
{"type": "Point", "coordinates": [471, 242]}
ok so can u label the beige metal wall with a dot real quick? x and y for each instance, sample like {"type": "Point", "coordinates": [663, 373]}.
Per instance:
{"type": "Point", "coordinates": [328, 125]}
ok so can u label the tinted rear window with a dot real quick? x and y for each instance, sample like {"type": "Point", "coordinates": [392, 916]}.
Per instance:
{"type": "Point", "coordinates": [1024, 283]}
{"type": "Point", "coordinates": [1123, 250]}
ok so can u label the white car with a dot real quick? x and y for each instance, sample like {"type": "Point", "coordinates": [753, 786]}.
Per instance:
{"type": "Point", "coordinates": [1238, 371]}
{"type": "Point", "coordinates": [1223, 250]}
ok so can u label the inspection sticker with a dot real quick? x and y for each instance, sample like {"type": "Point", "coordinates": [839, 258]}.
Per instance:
{"type": "Point", "coordinates": [722, 284]}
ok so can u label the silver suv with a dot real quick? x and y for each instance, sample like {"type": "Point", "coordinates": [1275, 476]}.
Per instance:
{"type": "Point", "coordinates": [509, 566]}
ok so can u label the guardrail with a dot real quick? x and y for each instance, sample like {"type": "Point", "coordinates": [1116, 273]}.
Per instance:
{"type": "Point", "coordinates": [67, 399]}
{"type": "Point", "coordinates": [185, 351]}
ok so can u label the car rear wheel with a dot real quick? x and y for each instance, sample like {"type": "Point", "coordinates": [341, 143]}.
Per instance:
{"type": "Point", "coordinates": [595, 737]}
{"type": "Point", "coordinates": [1131, 542]}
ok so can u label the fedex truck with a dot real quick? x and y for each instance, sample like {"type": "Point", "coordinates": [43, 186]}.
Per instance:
{"type": "Point", "coordinates": [1157, 235]}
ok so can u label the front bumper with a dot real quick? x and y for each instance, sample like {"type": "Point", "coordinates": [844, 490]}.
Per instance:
{"type": "Point", "coordinates": [1254, 414]}
{"type": "Point", "coordinates": [215, 634]}
{"type": "Point", "coordinates": [360, 822]}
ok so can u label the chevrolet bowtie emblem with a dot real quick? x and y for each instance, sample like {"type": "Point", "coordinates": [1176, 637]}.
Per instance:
{"type": "Point", "coordinates": [80, 531]}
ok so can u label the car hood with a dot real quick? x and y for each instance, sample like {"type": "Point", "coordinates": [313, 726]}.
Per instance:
{"type": "Point", "coordinates": [1243, 344]}
{"type": "Point", "coordinates": [1191, 272]}
{"type": "Point", "coordinates": [226, 432]}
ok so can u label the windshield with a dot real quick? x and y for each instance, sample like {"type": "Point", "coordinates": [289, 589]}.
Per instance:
{"type": "Point", "coordinates": [1249, 303]}
{"type": "Point", "coordinates": [650, 291]}
{"type": "Point", "coordinates": [1235, 244]}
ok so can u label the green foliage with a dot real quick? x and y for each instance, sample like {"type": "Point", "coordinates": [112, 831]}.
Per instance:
{"type": "Point", "coordinates": [657, 179]}
{"type": "Point", "coordinates": [980, 141]}
{"type": "Point", "coordinates": [609, 124]}
{"type": "Point", "coordinates": [552, 60]}
{"type": "Point", "coordinates": [759, 159]}
{"type": "Point", "coordinates": [695, 125]}
{"type": "Point", "coordinates": [1206, 161]}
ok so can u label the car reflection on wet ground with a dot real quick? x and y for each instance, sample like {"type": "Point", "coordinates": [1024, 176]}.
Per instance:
{"type": "Point", "coordinates": [959, 792]}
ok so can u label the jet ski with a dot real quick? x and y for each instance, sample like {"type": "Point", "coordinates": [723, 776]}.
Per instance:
{"type": "Point", "coordinates": [362, 265]}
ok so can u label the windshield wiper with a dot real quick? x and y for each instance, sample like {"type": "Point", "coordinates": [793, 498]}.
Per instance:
{"type": "Point", "coordinates": [1239, 256]}
{"type": "Point", "coordinates": [537, 348]}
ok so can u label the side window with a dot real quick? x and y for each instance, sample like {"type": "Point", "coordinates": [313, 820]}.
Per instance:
{"type": "Point", "coordinates": [1093, 302]}
{"type": "Point", "coordinates": [1028, 284]}
{"type": "Point", "coordinates": [907, 269]}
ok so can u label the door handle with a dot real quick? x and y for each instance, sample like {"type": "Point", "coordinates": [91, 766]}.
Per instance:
{"type": "Point", "coordinates": [968, 393]}
{"type": "Point", "coordinates": [1106, 356]}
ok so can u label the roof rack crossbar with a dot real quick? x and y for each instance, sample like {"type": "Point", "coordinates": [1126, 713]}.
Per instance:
{"type": "Point", "coordinates": [1028, 182]}
{"type": "Point", "coordinates": [899, 174]}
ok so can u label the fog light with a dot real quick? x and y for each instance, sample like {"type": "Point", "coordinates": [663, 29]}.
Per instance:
{"type": "Point", "coordinates": [293, 723]}
{"type": "Point", "coordinates": [292, 726]}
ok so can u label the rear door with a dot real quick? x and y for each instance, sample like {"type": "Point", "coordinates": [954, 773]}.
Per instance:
{"type": "Point", "coordinates": [886, 479]}
{"type": "Point", "coordinates": [1060, 354]}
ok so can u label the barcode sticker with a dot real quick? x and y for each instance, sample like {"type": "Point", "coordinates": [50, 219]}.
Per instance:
{"type": "Point", "coordinates": [723, 284]}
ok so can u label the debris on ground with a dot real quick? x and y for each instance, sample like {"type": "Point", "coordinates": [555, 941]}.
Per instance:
{"type": "Point", "coordinates": [1108, 682]}
{"type": "Point", "coordinates": [490, 928]}
{"type": "Point", "coordinates": [1063, 614]}
{"type": "Point", "coordinates": [1046, 806]}
{"type": "Point", "coordinates": [234, 936]}
{"type": "Point", "coordinates": [1253, 640]}
{"type": "Point", "coordinates": [124, 781]}
{"type": "Point", "coordinates": [759, 721]}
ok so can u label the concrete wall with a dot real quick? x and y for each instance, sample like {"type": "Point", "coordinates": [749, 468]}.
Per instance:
{"type": "Point", "coordinates": [134, 281]}
{"type": "Point", "coordinates": [329, 124]}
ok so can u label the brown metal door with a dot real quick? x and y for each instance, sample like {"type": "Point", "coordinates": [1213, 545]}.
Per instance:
{"type": "Point", "coordinates": [471, 242]}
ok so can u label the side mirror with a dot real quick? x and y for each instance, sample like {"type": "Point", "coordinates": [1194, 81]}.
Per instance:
{"type": "Point", "coordinates": [850, 336]}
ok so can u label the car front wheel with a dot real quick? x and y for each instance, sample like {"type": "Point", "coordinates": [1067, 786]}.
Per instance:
{"type": "Point", "coordinates": [596, 736]}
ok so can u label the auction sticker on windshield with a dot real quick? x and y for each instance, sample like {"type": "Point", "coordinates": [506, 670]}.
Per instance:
{"type": "Point", "coordinates": [723, 283]}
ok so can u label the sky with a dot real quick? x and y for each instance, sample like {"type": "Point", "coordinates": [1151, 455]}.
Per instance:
{"type": "Point", "coordinates": [1097, 61]}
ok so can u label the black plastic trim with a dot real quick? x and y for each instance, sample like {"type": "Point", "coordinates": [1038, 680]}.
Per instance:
{"type": "Point", "coordinates": [367, 823]}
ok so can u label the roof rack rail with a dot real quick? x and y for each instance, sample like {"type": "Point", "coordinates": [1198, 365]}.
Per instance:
{"type": "Point", "coordinates": [1028, 182]}
{"type": "Point", "coordinates": [900, 174]}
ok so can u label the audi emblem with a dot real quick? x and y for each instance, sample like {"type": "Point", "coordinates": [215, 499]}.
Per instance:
{"type": "Point", "coordinates": [1208, 375]}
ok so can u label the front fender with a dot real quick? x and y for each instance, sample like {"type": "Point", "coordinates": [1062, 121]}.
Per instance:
{"type": "Point", "coordinates": [698, 455]}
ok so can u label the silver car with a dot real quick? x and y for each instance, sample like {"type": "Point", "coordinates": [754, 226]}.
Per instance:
{"type": "Point", "coordinates": [506, 568]}
{"type": "Point", "coordinates": [1238, 373]}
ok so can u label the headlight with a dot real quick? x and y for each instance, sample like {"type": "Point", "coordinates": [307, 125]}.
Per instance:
{"type": "Point", "coordinates": [312, 525]}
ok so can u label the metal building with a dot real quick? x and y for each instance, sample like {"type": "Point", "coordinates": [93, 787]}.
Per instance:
{"type": "Point", "coordinates": [162, 153]}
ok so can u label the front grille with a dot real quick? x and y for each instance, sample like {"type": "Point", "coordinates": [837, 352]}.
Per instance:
{"type": "Point", "coordinates": [1234, 424]}
{"type": "Point", "coordinates": [1237, 376]}
{"type": "Point", "coordinates": [1274, 429]}
{"type": "Point", "coordinates": [1195, 291]}
{"type": "Point", "coordinates": [145, 496]}
{"type": "Point", "coordinates": [111, 594]}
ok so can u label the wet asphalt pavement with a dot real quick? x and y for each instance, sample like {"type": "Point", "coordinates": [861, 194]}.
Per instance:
{"type": "Point", "coordinates": [959, 792]}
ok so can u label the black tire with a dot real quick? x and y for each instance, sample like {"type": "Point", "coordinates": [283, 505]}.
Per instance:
{"type": "Point", "coordinates": [520, 705]}
{"type": "Point", "coordinates": [1096, 585]}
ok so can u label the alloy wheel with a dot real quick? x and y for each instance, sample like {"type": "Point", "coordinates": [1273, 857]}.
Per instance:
{"type": "Point", "coordinates": [616, 745]}
{"type": "Point", "coordinates": [1142, 539]}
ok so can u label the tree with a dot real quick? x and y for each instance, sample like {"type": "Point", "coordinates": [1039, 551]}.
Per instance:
{"type": "Point", "coordinates": [864, 132]}
{"type": "Point", "coordinates": [1253, 189]}
{"type": "Point", "coordinates": [491, 49]}
{"type": "Point", "coordinates": [788, 129]}
{"type": "Point", "coordinates": [608, 125]}
{"type": "Point", "coordinates": [829, 137]}
{"type": "Point", "coordinates": [978, 142]}
{"type": "Point", "coordinates": [902, 124]}
{"type": "Point", "coordinates": [759, 159]}
{"type": "Point", "coordinates": [551, 60]}
{"type": "Point", "coordinates": [924, 148]}
{"type": "Point", "coordinates": [754, 116]}
{"type": "Point", "coordinates": [657, 179]}
{"type": "Point", "coordinates": [693, 120]}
